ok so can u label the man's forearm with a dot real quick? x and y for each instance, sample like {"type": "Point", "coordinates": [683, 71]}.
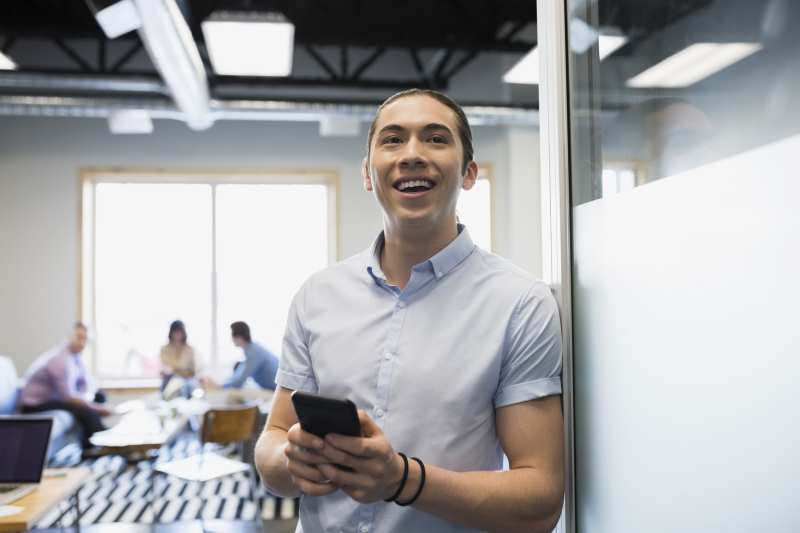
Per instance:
{"type": "Point", "coordinates": [519, 500]}
{"type": "Point", "coordinates": [271, 464]}
{"type": "Point", "coordinates": [78, 402]}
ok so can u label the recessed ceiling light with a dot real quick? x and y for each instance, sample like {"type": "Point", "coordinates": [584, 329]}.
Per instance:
{"type": "Point", "coordinates": [610, 44]}
{"type": "Point", "coordinates": [340, 127]}
{"type": "Point", "coordinates": [128, 121]}
{"type": "Point", "coordinates": [6, 63]}
{"type": "Point", "coordinates": [526, 70]}
{"type": "Point", "coordinates": [693, 64]}
{"type": "Point", "coordinates": [245, 43]}
{"type": "Point", "coordinates": [115, 17]}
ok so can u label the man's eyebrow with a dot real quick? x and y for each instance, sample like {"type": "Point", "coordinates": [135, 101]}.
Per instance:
{"type": "Point", "coordinates": [392, 127]}
{"type": "Point", "coordinates": [435, 126]}
{"type": "Point", "coordinates": [428, 127]}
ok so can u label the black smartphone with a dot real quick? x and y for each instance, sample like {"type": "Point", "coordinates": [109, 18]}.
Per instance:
{"type": "Point", "coordinates": [320, 414]}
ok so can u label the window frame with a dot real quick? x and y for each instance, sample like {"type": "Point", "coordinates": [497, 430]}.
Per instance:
{"type": "Point", "coordinates": [91, 177]}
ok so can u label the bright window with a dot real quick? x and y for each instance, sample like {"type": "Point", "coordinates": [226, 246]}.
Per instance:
{"type": "Point", "coordinates": [207, 252]}
{"type": "Point", "coordinates": [475, 210]}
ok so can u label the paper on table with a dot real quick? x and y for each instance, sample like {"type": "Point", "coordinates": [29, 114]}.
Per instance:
{"type": "Point", "coordinates": [8, 510]}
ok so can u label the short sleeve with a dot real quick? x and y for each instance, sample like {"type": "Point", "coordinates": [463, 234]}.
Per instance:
{"type": "Point", "coordinates": [295, 370]}
{"type": "Point", "coordinates": [531, 366]}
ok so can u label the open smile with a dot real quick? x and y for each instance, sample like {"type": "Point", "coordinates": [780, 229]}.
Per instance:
{"type": "Point", "coordinates": [414, 187]}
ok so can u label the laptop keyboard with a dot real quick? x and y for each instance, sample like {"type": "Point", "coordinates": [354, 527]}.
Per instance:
{"type": "Point", "coordinates": [8, 488]}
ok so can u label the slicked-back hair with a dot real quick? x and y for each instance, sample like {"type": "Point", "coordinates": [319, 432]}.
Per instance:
{"type": "Point", "coordinates": [462, 124]}
{"type": "Point", "coordinates": [241, 329]}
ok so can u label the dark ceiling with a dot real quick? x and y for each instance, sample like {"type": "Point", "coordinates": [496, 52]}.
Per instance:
{"type": "Point", "coordinates": [361, 31]}
{"type": "Point", "coordinates": [339, 44]}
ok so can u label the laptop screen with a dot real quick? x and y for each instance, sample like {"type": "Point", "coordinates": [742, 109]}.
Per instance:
{"type": "Point", "coordinates": [23, 449]}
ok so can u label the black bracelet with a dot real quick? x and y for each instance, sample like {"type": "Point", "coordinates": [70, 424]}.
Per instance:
{"type": "Point", "coordinates": [421, 484]}
{"type": "Point", "coordinates": [402, 483]}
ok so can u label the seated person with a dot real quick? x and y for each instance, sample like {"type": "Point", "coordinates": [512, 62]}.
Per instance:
{"type": "Point", "coordinates": [259, 364]}
{"type": "Point", "coordinates": [57, 381]}
{"type": "Point", "coordinates": [177, 357]}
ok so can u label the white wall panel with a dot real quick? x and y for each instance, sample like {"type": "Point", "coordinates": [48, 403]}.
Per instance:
{"type": "Point", "coordinates": [687, 351]}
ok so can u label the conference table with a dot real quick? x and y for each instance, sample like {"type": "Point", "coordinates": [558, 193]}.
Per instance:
{"type": "Point", "coordinates": [57, 485]}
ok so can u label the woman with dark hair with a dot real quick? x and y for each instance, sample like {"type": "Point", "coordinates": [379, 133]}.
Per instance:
{"type": "Point", "coordinates": [177, 356]}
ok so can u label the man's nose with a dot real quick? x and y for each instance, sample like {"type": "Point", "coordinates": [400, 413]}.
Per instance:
{"type": "Point", "coordinates": [413, 153]}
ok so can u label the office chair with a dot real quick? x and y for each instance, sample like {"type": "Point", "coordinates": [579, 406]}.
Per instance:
{"type": "Point", "coordinates": [223, 425]}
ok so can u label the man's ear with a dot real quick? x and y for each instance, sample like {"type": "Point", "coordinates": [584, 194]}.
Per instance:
{"type": "Point", "coordinates": [367, 177]}
{"type": "Point", "coordinates": [470, 176]}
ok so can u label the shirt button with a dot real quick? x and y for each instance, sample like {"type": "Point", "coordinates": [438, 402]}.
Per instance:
{"type": "Point", "coordinates": [402, 304]}
{"type": "Point", "coordinates": [364, 529]}
{"type": "Point", "coordinates": [387, 355]}
{"type": "Point", "coordinates": [379, 412]}
{"type": "Point", "coordinates": [439, 274]}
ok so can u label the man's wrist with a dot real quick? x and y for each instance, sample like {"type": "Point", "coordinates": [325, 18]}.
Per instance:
{"type": "Point", "coordinates": [412, 483]}
{"type": "Point", "coordinates": [397, 477]}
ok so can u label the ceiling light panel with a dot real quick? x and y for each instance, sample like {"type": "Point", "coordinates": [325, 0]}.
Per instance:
{"type": "Point", "coordinates": [115, 18]}
{"type": "Point", "coordinates": [609, 44]}
{"type": "Point", "coordinates": [526, 70]}
{"type": "Point", "coordinates": [6, 63]}
{"type": "Point", "coordinates": [249, 43]}
{"type": "Point", "coordinates": [693, 64]}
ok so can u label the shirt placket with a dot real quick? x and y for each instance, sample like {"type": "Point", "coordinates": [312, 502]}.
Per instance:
{"type": "Point", "coordinates": [381, 408]}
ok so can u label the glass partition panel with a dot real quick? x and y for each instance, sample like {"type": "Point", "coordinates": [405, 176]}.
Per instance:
{"type": "Point", "coordinates": [685, 125]}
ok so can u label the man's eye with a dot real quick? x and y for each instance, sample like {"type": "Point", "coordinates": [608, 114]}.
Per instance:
{"type": "Point", "coordinates": [438, 139]}
{"type": "Point", "coordinates": [391, 140]}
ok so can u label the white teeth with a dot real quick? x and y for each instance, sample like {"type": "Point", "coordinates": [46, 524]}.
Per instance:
{"type": "Point", "coordinates": [418, 183]}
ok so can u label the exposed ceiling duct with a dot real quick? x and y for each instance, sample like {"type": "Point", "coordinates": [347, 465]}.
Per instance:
{"type": "Point", "coordinates": [72, 82]}
{"type": "Point", "coordinates": [171, 48]}
{"type": "Point", "coordinates": [237, 110]}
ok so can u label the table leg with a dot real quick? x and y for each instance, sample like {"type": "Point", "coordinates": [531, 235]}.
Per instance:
{"type": "Point", "coordinates": [153, 475]}
{"type": "Point", "coordinates": [77, 510]}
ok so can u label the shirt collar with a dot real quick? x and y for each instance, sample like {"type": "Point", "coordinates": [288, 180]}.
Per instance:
{"type": "Point", "coordinates": [441, 263]}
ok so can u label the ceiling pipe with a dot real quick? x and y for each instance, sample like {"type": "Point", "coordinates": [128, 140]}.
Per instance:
{"type": "Point", "coordinates": [50, 82]}
{"type": "Point", "coordinates": [270, 110]}
{"type": "Point", "coordinates": [63, 106]}
{"type": "Point", "coordinates": [169, 43]}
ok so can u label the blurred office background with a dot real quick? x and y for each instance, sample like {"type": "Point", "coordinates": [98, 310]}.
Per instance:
{"type": "Point", "coordinates": [140, 184]}
{"type": "Point", "coordinates": [684, 125]}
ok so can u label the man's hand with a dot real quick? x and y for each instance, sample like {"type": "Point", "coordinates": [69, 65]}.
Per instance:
{"type": "Point", "coordinates": [377, 469]}
{"type": "Point", "coordinates": [104, 410]}
{"type": "Point", "coordinates": [304, 462]}
{"type": "Point", "coordinates": [208, 383]}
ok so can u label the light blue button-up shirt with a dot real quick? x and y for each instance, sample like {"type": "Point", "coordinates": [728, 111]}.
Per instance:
{"type": "Point", "coordinates": [470, 333]}
{"type": "Point", "coordinates": [259, 364]}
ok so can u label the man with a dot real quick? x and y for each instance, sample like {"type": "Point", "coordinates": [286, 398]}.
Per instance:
{"type": "Point", "coordinates": [259, 363]}
{"type": "Point", "coordinates": [57, 381]}
{"type": "Point", "coordinates": [454, 353]}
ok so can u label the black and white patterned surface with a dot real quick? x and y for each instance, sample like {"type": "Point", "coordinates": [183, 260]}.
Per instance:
{"type": "Point", "coordinates": [120, 492]}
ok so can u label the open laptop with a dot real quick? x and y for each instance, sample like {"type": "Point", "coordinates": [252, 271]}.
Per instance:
{"type": "Point", "coordinates": [24, 444]}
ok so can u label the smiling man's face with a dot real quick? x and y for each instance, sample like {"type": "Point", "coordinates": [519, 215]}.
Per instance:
{"type": "Point", "coordinates": [415, 165]}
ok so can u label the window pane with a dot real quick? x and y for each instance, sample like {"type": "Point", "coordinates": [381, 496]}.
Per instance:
{"type": "Point", "coordinates": [474, 211]}
{"type": "Point", "coordinates": [684, 145]}
{"type": "Point", "coordinates": [152, 266]}
{"type": "Point", "coordinates": [270, 239]}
